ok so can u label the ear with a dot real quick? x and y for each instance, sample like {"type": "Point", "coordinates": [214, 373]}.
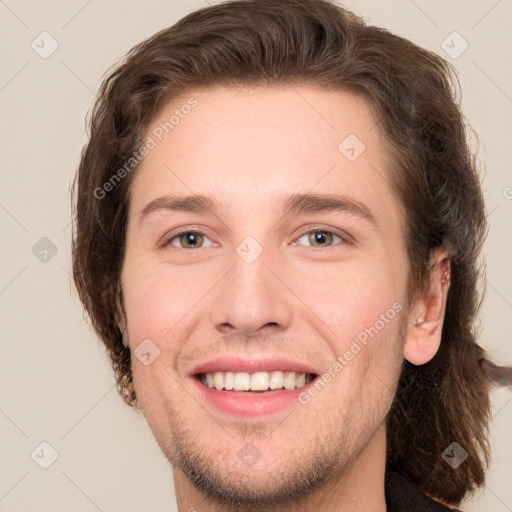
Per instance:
{"type": "Point", "coordinates": [426, 316]}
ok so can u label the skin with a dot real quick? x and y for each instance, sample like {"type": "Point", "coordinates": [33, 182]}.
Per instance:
{"type": "Point", "coordinates": [250, 149]}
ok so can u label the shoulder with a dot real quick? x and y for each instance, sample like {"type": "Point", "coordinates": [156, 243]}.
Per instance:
{"type": "Point", "coordinates": [402, 495]}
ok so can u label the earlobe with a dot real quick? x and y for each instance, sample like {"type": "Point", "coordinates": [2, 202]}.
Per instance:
{"type": "Point", "coordinates": [426, 317]}
{"type": "Point", "coordinates": [422, 341]}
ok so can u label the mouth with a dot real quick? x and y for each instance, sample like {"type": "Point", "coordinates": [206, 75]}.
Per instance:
{"type": "Point", "coordinates": [261, 385]}
{"type": "Point", "coordinates": [255, 383]}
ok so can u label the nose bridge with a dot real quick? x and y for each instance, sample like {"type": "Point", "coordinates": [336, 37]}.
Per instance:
{"type": "Point", "coordinates": [251, 298]}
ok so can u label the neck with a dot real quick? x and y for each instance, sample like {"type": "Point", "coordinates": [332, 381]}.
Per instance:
{"type": "Point", "coordinates": [361, 487]}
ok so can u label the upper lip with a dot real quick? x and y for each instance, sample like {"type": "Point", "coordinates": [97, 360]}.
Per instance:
{"type": "Point", "coordinates": [251, 365]}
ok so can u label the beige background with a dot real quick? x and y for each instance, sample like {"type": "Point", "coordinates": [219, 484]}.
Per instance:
{"type": "Point", "coordinates": [56, 384]}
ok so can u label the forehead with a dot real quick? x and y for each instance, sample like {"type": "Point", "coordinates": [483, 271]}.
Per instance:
{"type": "Point", "coordinates": [247, 147]}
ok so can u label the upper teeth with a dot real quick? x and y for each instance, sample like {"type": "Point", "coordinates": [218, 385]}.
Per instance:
{"type": "Point", "coordinates": [259, 381]}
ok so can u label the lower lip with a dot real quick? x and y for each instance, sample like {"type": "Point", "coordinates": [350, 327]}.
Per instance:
{"type": "Point", "coordinates": [245, 404]}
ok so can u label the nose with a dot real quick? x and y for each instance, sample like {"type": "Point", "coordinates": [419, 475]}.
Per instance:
{"type": "Point", "coordinates": [251, 300]}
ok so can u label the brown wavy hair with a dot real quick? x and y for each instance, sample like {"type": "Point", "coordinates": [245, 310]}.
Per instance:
{"type": "Point", "coordinates": [414, 95]}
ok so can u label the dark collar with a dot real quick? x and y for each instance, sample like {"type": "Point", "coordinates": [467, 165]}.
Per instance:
{"type": "Point", "coordinates": [402, 495]}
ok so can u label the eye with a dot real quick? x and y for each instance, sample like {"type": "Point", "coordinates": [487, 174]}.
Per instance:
{"type": "Point", "coordinates": [191, 239]}
{"type": "Point", "coordinates": [187, 240]}
{"type": "Point", "coordinates": [322, 237]}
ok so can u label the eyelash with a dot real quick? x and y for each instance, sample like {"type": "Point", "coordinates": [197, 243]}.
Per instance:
{"type": "Point", "coordinates": [344, 239]}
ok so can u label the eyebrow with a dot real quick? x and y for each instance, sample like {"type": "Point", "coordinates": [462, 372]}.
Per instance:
{"type": "Point", "coordinates": [298, 203]}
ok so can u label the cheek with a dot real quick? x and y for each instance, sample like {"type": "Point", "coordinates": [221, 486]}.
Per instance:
{"type": "Point", "coordinates": [157, 297]}
{"type": "Point", "coordinates": [352, 297]}
{"type": "Point", "coordinates": [154, 385]}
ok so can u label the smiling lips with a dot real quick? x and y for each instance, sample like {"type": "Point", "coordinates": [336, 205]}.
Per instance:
{"type": "Point", "coordinates": [257, 374]}
{"type": "Point", "coordinates": [251, 387]}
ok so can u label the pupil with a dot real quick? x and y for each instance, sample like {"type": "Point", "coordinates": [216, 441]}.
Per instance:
{"type": "Point", "coordinates": [191, 238]}
{"type": "Point", "coordinates": [320, 237]}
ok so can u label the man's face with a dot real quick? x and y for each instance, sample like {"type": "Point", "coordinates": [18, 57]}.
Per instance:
{"type": "Point", "coordinates": [257, 292]}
